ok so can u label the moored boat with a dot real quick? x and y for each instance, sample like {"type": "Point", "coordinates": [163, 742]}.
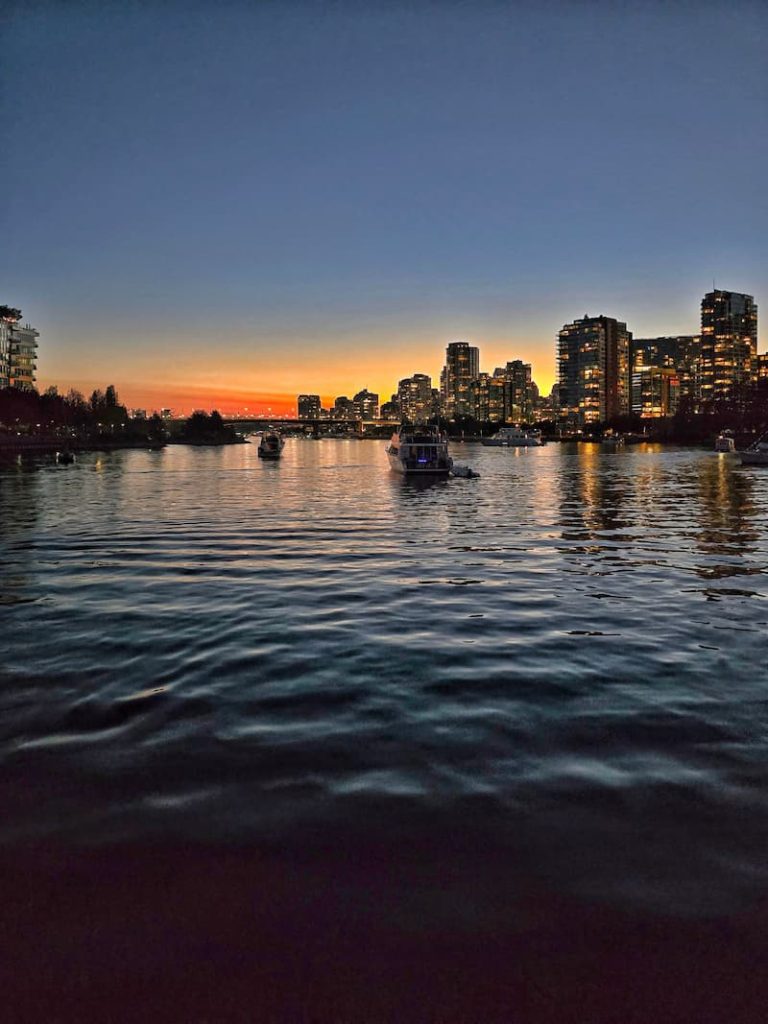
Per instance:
{"type": "Point", "coordinates": [271, 445]}
{"type": "Point", "coordinates": [419, 451]}
{"type": "Point", "coordinates": [756, 454]}
{"type": "Point", "coordinates": [725, 442]}
{"type": "Point", "coordinates": [514, 437]}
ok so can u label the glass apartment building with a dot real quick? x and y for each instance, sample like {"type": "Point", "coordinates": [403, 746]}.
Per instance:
{"type": "Point", "coordinates": [462, 366]}
{"type": "Point", "coordinates": [728, 343]}
{"type": "Point", "coordinates": [593, 359]}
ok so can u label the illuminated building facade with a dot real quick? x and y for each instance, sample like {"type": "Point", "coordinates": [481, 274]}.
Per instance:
{"type": "Point", "coordinates": [366, 405]}
{"type": "Point", "coordinates": [462, 366]}
{"type": "Point", "coordinates": [479, 396]}
{"type": "Point", "coordinates": [390, 410]}
{"type": "Point", "coordinates": [344, 409]}
{"type": "Point", "coordinates": [681, 353]}
{"type": "Point", "coordinates": [593, 360]}
{"type": "Point", "coordinates": [762, 367]}
{"type": "Point", "coordinates": [518, 393]}
{"type": "Point", "coordinates": [414, 396]}
{"type": "Point", "coordinates": [18, 353]}
{"type": "Point", "coordinates": [728, 343]}
{"type": "Point", "coordinates": [655, 391]}
{"type": "Point", "coordinates": [309, 407]}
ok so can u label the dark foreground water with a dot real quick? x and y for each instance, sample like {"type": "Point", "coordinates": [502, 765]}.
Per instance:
{"type": "Point", "coordinates": [306, 741]}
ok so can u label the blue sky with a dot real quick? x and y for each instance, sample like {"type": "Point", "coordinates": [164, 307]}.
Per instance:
{"type": "Point", "coordinates": [321, 196]}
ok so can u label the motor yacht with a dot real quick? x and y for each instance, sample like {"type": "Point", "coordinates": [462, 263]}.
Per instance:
{"type": "Point", "coordinates": [271, 445]}
{"type": "Point", "coordinates": [514, 437]}
{"type": "Point", "coordinates": [725, 442]}
{"type": "Point", "coordinates": [419, 450]}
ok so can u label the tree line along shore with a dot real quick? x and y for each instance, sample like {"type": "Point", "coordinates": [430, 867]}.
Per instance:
{"type": "Point", "coordinates": [50, 422]}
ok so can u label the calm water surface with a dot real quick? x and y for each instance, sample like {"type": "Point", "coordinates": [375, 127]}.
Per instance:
{"type": "Point", "coordinates": [559, 667]}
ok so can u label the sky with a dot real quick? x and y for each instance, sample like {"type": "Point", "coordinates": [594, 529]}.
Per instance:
{"type": "Point", "coordinates": [227, 204]}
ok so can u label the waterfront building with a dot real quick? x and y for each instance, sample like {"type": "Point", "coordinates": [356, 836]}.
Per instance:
{"type": "Point", "coordinates": [437, 403]}
{"type": "Point", "coordinates": [655, 391]}
{"type": "Point", "coordinates": [681, 353]}
{"type": "Point", "coordinates": [479, 397]}
{"type": "Point", "coordinates": [309, 407]}
{"type": "Point", "coordinates": [414, 398]}
{"type": "Point", "coordinates": [728, 343]}
{"type": "Point", "coordinates": [462, 365]}
{"type": "Point", "coordinates": [390, 410]}
{"type": "Point", "coordinates": [18, 351]}
{"type": "Point", "coordinates": [518, 394]}
{"type": "Point", "coordinates": [366, 405]}
{"type": "Point", "coordinates": [593, 369]}
{"type": "Point", "coordinates": [344, 409]}
{"type": "Point", "coordinates": [762, 367]}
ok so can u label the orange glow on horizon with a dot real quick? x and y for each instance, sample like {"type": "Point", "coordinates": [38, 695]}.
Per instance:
{"type": "Point", "coordinates": [273, 389]}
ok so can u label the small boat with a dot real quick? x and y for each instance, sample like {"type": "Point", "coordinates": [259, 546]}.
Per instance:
{"type": "Point", "coordinates": [466, 472]}
{"type": "Point", "coordinates": [613, 441]}
{"type": "Point", "coordinates": [514, 437]}
{"type": "Point", "coordinates": [271, 445]}
{"type": "Point", "coordinates": [725, 442]}
{"type": "Point", "coordinates": [756, 454]}
{"type": "Point", "coordinates": [65, 458]}
{"type": "Point", "coordinates": [419, 451]}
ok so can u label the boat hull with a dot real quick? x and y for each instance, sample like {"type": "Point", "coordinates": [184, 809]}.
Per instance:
{"type": "Point", "coordinates": [753, 458]}
{"type": "Point", "coordinates": [399, 466]}
{"type": "Point", "coordinates": [490, 442]}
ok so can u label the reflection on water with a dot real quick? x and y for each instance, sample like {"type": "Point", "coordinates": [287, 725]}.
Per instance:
{"type": "Point", "coordinates": [562, 661]}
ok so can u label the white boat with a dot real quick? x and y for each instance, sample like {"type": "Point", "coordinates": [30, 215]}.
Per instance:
{"type": "Point", "coordinates": [725, 443]}
{"type": "Point", "coordinates": [756, 454]}
{"type": "Point", "coordinates": [271, 445]}
{"type": "Point", "coordinates": [514, 437]}
{"type": "Point", "coordinates": [419, 451]}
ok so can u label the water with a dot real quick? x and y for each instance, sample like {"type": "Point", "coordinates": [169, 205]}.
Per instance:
{"type": "Point", "coordinates": [562, 664]}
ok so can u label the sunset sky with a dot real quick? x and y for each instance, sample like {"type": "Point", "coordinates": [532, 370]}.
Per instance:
{"type": "Point", "coordinates": [228, 206]}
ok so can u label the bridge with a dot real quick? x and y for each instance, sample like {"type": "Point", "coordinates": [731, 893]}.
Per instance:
{"type": "Point", "coordinates": [316, 426]}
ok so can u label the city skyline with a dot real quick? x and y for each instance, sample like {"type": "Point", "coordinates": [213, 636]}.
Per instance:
{"type": "Point", "coordinates": [346, 192]}
{"type": "Point", "coordinates": [257, 402]}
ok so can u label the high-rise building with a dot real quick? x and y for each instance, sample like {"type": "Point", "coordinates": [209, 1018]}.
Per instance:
{"type": "Point", "coordinates": [762, 367]}
{"type": "Point", "coordinates": [681, 353]}
{"type": "Point", "coordinates": [728, 343]}
{"type": "Point", "coordinates": [593, 369]}
{"type": "Point", "coordinates": [655, 391]}
{"type": "Point", "coordinates": [518, 403]}
{"type": "Point", "coordinates": [390, 410]}
{"type": "Point", "coordinates": [414, 397]}
{"type": "Point", "coordinates": [479, 397]}
{"type": "Point", "coordinates": [366, 405]}
{"type": "Point", "coordinates": [462, 365]}
{"type": "Point", "coordinates": [344, 409]}
{"type": "Point", "coordinates": [18, 351]}
{"type": "Point", "coordinates": [309, 407]}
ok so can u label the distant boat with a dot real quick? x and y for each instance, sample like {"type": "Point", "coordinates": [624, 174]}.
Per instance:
{"type": "Point", "coordinates": [725, 442]}
{"type": "Point", "coordinates": [613, 441]}
{"type": "Point", "coordinates": [65, 458]}
{"type": "Point", "coordinates": [271, 445]}
{"type": "Point", "coordinates": [419, 451]}
{"type": "Point", "coordinates": [514, 437]}
{"type": "Point", "coordinates": [756, 454]}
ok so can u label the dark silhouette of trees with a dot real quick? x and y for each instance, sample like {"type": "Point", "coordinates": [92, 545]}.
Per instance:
{"type": "Point", "coordinates": [202, 428]}
{"type": "Point", "coordinates": [50, 415]}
